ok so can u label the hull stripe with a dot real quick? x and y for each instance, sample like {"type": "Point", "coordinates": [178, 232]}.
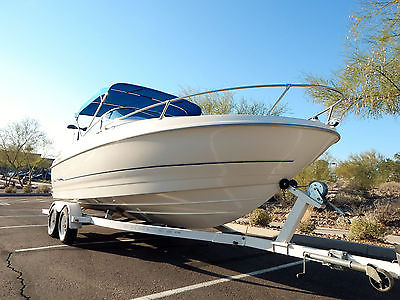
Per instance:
{"type": "Point", "coordinates": [177, 165]}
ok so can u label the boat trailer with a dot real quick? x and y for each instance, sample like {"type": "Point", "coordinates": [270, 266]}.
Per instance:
{"type": "Point", "coordinates": [65, 218]}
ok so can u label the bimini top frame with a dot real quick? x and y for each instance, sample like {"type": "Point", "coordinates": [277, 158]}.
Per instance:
{"type": "Point", "coordinates": [148, 103]}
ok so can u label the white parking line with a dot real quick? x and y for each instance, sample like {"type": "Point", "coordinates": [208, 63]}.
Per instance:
{"type": "Point", "coordinates": [24, 209]}
{"type": "Point", "coordinates": [4, 203]}
{"type": "Point", "coordinates": [23, 216]}
{"type": "Point", "coordinates": [24, 201]}
{"type": "Point", "coordinates": [21, 226]}
{"type": "Point", "coordinates": [217, 281]}
{"type": "Point", "coordinates": [83, 244]}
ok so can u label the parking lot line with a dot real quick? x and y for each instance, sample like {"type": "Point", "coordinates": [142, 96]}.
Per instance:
{"type": "Point", "coordinates": [4, 203]}
{"type": "Point", "coordinates": [84, 244]}
{"type": "Point", "coordinates": [24, 209]}
{"type": "Point", "coordinates": [214, 282]}
{"type": "Point", "coordinates": [24, 201]}
{"type": "Point", "coordinates": [23, 216]}
{"type": "Point", "coordinates": [21, 226]}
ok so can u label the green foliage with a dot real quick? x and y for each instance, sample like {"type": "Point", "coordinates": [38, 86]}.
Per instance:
{"type": "Point", "coordinates": [306, 227]}
{"type": "Point", "coordinates": [10, 189]}
{"type": "Point", "coordinates": [361, 169]}
{"type": "Point", "coordinates": [225, 103]}
{"type": "Point", "coordinates": [390, 168]}
{"type": "Point", "coordinates": [318, 170]}
{"type": "Point", "coordinates": [371, 72]}
{"type": "Point", "coordinates": [19, 143]}
{"type": "Point", "coordinates": [260, 217]}
{"type": "Point", "coordinates": [44, 189]}
{"type": "Point", "coordinates": [366, 228]}
{"type": "Point", "coordinates": [212, 104]}
{"type": "Point", "coordinates": [368, 170]}
{"type": "Point", "coordinates": [215, 104]}
{"type": "Point", "coordinates": [245, 107]}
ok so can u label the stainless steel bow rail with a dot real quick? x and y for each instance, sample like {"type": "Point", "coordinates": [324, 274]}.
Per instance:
{"type": "Point", "coordinates": [65, 218]}
{"type": "Point", "coordinates": [286, 86]}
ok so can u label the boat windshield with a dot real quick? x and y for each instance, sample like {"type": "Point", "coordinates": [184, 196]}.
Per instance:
{"type": "Point", "coordinates": [123, 111]}
{"type": "Point", "coordinates": [131, 102]}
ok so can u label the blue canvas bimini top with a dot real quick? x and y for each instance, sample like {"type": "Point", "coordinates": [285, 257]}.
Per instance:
{"type": "Point", "coordinates": [137, 97]}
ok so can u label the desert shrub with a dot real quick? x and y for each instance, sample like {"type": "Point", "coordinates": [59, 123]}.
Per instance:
{"type": "Point", "coordinates": [366, 228]}
{"type": "Point", "coordinates": [342, 222]}
{"type": "Point", "coordinates": [318, 170]}
{"type": "Point", "coordinates": [10, 189]}
{"type": "Point", "coordinates": [44, 189]}
{"type": "Point", "coordinates": [388, 214]}
{"type": "Point", "coordinates": [260, 217]}
{"type": "Point", "coordinates": [285, 198]}
{"type": "Point", "coordinates": [389, 168]}
{"type": "Point", "coordinates": [306, 227]}
{"type": "Point", "coordinates": [389, 190]}
{"type": "Point", "coordinates": [27, 189]}
{"type": "Point", "coordinates": [349, 197]}
{"type": "Point", "coordinates": [362, 170]}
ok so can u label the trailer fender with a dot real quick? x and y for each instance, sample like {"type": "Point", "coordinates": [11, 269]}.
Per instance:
{"type": "Point", "coordinates": [74, 210]}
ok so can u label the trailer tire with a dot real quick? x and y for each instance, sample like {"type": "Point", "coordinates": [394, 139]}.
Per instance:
{"type": "Point", "coordinates": [52, 223]}
{"type": "Point", "coordinates": [67, 235]}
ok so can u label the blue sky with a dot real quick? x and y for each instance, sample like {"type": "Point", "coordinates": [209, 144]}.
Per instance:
{"type": "Point", "coordinates": [56, 55]}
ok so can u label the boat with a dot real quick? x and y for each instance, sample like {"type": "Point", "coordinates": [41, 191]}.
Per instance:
{"type": "Point", "coordinates": [153, 156]}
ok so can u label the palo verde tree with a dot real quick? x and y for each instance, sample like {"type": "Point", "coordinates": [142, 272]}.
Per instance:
{"type": "Point", "coordinates": [19, 144]}
{"type": "Point", "coordinates": [370, 76]}
{"type": "Point", "coordinates": [223, 103]}
{"type": "Point", "coordinates": [321, 169]}
{"type": "Point", "coordinates": [363, 170]}
{"type": "Point", "coordinates": [390, 168]}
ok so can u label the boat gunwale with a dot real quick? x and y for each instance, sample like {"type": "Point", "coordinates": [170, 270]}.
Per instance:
{"type": "Point", "coordinates": [321, 127]}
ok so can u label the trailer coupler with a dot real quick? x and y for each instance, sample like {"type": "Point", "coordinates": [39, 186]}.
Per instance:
{"type": "Point", "coordinates": [379, 278]}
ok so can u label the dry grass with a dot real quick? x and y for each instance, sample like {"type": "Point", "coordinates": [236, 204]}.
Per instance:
{"type": "Point", "coordinates": [44, 189]}
{"type": "Point", "coordinates": [260, 217]}
{"type": "Point", "coordinates": [366, 228]}
{"type": "Point", "coordinates": [10, 189]}
{"type": "Point", "coordinates": [388, 214]}
{"type": "Point", "coordinates": [389, 190]}
{"type": "Point", "coordinates": [27, 189]}
{"type": "Point", "coordinates": [306, 227]}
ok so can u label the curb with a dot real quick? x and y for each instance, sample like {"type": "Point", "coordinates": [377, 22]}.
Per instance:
{"type": "Point", "coordinates": [24, 194]}
{"type": "Point", "coordinates": [371, 251]}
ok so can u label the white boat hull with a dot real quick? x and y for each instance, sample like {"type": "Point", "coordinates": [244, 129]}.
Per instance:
{"type": "Point", "coordinates": [194, 172]}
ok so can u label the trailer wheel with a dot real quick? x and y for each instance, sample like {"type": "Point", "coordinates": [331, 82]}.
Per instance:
{"type": "Point", "coordinates": [67, 235]}
{"type": "Point", "coordinates": [52, 224]}
{"type": "Point", "coordinates": [386, 283]}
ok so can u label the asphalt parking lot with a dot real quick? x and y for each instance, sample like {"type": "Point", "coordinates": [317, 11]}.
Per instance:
{"type": "Point", "coordinates": [109, 264]}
